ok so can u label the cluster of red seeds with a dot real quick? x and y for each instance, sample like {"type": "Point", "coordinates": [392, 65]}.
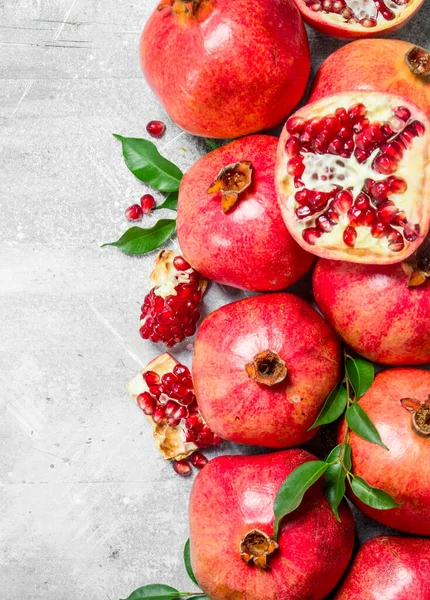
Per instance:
{"type": "Point", "coordinates": [343, 134]}
{"type": "Point", "coordinates": [339, 7]}
{"type": "Point", "coordinates": [170, 320]}
{"type": "Point", "coordinates": [171, 399]}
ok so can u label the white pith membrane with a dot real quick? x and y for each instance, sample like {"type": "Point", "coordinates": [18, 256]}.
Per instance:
{"type": "Point", "coordinates": [361, 14]}
{"type": "Point", "coordinates": [170, 441]}
{"type": "Point", "coordinates": [350, 174]}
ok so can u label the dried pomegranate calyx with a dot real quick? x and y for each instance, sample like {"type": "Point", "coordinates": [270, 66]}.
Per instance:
{"type": "Point", "coordinates": [256, 547]}
{"type": "Point", "coordinates": [418, 60]}
{"type": "Point", "coordinates": [231, 181]}
{"type": "Point", "coordinates": [267, 367]}
{"type": "Point", "coordinates": [420, 415]}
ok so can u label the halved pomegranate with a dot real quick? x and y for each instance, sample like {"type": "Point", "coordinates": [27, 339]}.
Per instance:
{"type": "Point", "coordinates": [353, 177]}
{"type": "Point", "coordinates": [164, 391]}
{"type": "Point", "coordinates": [170, 311]}
{"type": "Point", "coordinates": [357, 18]}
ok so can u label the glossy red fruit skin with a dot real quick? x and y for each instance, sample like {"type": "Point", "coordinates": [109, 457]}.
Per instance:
{"type": "Point", "coordinates": [374, 311]}
{"type": "Point", "coordinates": [233, 495]}
{"type": "Point", "coordinates": [389, 568]}
{"type": "Point", "coordinates": [342, 30]}
{"type": "Point", "coordinates": [404, 471]}
{"type": "Point", "coordinates": [216, 72]}
{"type": "Point", "coordinates": [382, 68]}
{"type": "Point", "coordinates": [249, 247]}
{"type": "Point", "coordinates": [239, 408]}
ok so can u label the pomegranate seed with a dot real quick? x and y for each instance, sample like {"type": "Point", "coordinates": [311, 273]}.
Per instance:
{"type": "Point", "coordinates": [336, 146]}
{"type": "Point", "coordinates": [302, 197]}
{"type": "Point", "coordinates": [181, 370]}
{"type": "Point", "coordinates": [356, 216]}
{"type": "Point", "coordinates": [181, 264]}
{"type": "Point", "coordinates": [368, 22]}
{"type": "Point", "coordinates": [182, 467]}
{"type": "Point", "coordinates": [360, 126]}
{"type": "Point", "coordinates": [134, 213]}
{"type": "Point", "coordinates": [147, 202]}
{"type": "Point", "coordinates": [303, 212]}
{"type": "Point", "coordinates": [374, 134]}
{"type": "Point", "coordinates": [380, 190]}
{"type": "Point", "coordinates": [343, 201]}
{"type": "Point", "coordinates": [395, 241]}
{"type": "Point", "coordinates": [147, 403]}
{"type": "Point", "coordinates": [370, 218]}
{"type": "Point", "coordinates": [387, 211]}
{"type": "Point", "coordinates": [400, 218]}
{"type": "Point", "coordinates": [386, 131]}
{"type": "Point", "coordinates": [411, 232]}
{"type": "Point", "coordinates": [332, 214]}
{"type": "Point", "coordinates": [331, 124]}
{"type": "Point", "coordinates": [169, 379]}
{"type": "Point", "coordinates": [393, 149]}
{"type": "Point", "coordinates": [384, 164]}
{"type": "Point", "coordinates": [362, 202]}
{"type": "Point", "coordinates": [198, 460]}
{"type": "Point", "coordinates": [295, 124]}
{"type": "Point", "coordinates": [324, 223]}
{"type": "Point", "coordinates": [151, 378]}
{"type": "Point", "coordinates": [379, 230]}
{"type": "Point", "coordinates": [205, 437]}
{"type": "Point", "coordinates": [350, 236]}
{"type": "Point", "coordinates": [318, 200]}
{"type": "Point", "coordinates": [402, 113]}
{"type": "Point", "coordinates": [345, 133]}
{"type": "Point", "coordinates": [293, 146]}
{"type": "Point", "coordinates": [361, 155]}
{"type": "Point", "coordinates": [342, 115]}
{"type": "Point", "coordinates": [295, 166]}
{"type": "Point", "coordinates": [396, 185]}
{"type": "Point", "coordinates": [156, 128]}
{"type": "Point", "coordinates": [417, 128]}
{"type": "Point", "coordinates": [158, 415]}
{"type": "Point", "coordinates": [313, 127]}
{"type": "Point", "coordinates": [356, 112]}
{"type": "Point", "coordinates": [311, 234]}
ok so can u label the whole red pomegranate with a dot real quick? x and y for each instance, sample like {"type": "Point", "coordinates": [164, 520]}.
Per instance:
{"type": "Point", "coordinates": [374, 311]}
{"type": "Point", "coordinates": [255, 367]}
{"type": "Point", "coordinates": [233, 554]}
{"type": "Point", "coordinates": [388, 66]}
{"type": "Point", "coordinates": [235, 234]}
{"type": "Point", "coordinates": [347, 19]}
{"type": "Point", "coordinates": [223, 69]}
{"type": "Point", "coordinates": [389, 568]}
{"type": "Point", "coordinates": [353, 177]}
{"type": "Point", "coordinates": [398, 403]}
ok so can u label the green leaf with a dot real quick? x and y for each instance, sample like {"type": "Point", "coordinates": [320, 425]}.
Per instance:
{"type": "Point", "coordinates": [361, 374]}
{"type": "Point", "coordinates": [294, 487]}
{"type": "Point", "coordinates": [371, 496]}
{"type": "Point", "coordinates": [360, 423]}
{"type": "Point", "coordinates": [333, 407]}
{"type": "Point", "coordinates": [171, 202]}
{"type": "Point", "coordinates": [147, 164]}
{"type": "Point", "coordinates": [187, 561]}
{"type": "Point", "coordinates": [334, 477]}
{"type": "Point", "coordinates": [141, 241]}
{"type": "Point", "coordinates": [156, 590]}
{"type": "Point", "coordinates": [212, 145]}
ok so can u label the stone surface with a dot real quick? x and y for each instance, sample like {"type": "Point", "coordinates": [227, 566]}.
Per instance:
{"type": "Point", "coordinates": [88, 510]}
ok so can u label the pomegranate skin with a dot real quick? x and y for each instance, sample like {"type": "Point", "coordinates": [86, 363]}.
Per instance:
{"type": "Point", "coordinates": [374, 311]}
{"type": "Point", "coordinates": [237, 407]}
{"type": "Point", "coordinates": [216, 71]}
{"type": "Point", "coordinates": [248, 247]}
{"type": "Point", "coordinates": [404, 471]}
{"type": "Point", "coordinates": [382, 68]}
{"type": "Point", "coordinates": [389, 568]}
{"type": "Point", "coordinates": [233, 495]}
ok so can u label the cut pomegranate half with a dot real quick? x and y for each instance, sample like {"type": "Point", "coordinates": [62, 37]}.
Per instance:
{"type": "Point", "coordinates": [164, 391]}
{"type": "Point", "coordinates": [353, 177]}
{"type": "Point", "coordinates": [170, 311]}
{"type": "Point", "coordinates": [357, 18]}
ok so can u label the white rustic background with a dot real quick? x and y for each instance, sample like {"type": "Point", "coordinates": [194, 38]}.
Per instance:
{"type": "Point", "coordinates": [88, 510]}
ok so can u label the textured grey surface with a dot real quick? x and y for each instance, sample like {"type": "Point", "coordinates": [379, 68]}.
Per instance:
{"type": "Point", "coordinates": [88, 510]}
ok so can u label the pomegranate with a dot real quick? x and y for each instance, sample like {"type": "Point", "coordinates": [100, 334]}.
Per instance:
{"type": "Point", "coordinates": [358, 18]}
{"type": "Point", "coordinates": [374, 311]}
{"type": "Point", "coordinates": [398, 403]}
{"type": "Point", "coordinates": [235, 234]}
{"type": "Point", "coordinates": [353, 177]}
{"type": "Point", "coordinates": [231, 526]}
{"type": "Point", "coordinates": [223, 69]}
{"type": "Point", "coordinates": [134, 213]}
{"type": "Point", "coordinates": [388, 66]}
{"type": "Point", "coordinates": [170, 311]}
{"type": "Point", "coordinates": [164, 392]}
{"type": "Point", "coordinates": [389, 568]}
{"type": "Point", "coordinates": [255, 365]}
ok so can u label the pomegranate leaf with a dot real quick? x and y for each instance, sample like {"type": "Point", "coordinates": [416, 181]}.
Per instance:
{"type": "Point", "coordinates": [147, 164]}
{"type": "Point", "coordinates": [294, 487]}
{"type": "Point", "coordinates": [156, 590]}
{"type": "Point", "coordinates": [361, 424]}
{"type": "Point", "coordinates": [361, 374]}
{"type": "Point", "coordinates": [187, 561]}
{"type": "Point", "coordinates": [171, 202]}
{"type": "Point", "coordinates": [371, 496]}
{"type": "Point", "coordinates": [333, 408]}
{"type": "Point", "coordinates": [334, 477]}
{"type": "Point", "coordinates": [212, 144]}
{"type": "Point", "coordinates": [137, 240]}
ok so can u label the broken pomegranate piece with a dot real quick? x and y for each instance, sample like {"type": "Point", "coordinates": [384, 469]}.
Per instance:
{"type": "Point", "coordinates": [170, 311]}
{"type": "Point", "coordinates": [164, 391]}
{"type": "Point", "coordinates": [353, 177]}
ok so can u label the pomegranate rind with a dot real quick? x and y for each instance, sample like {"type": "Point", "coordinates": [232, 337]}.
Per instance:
{"type": "Point", "coordinates": [168, 440]}
{"type": "Point", "coordinates": [334, 25]}
{"type": "Point", "coordinates": [416, 176]}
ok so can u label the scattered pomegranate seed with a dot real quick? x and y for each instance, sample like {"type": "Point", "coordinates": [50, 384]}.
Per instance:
{"type": "Point", "coordinates": [134, 213]}
{"type": "Point", "coordinates": [156, 128]}
{"type": "Point", "coordinates": [198, 460]}
{"type": "Point", "coordinates": [182, 467]}
{"type": "Point", "coordinates": [147, 202]}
